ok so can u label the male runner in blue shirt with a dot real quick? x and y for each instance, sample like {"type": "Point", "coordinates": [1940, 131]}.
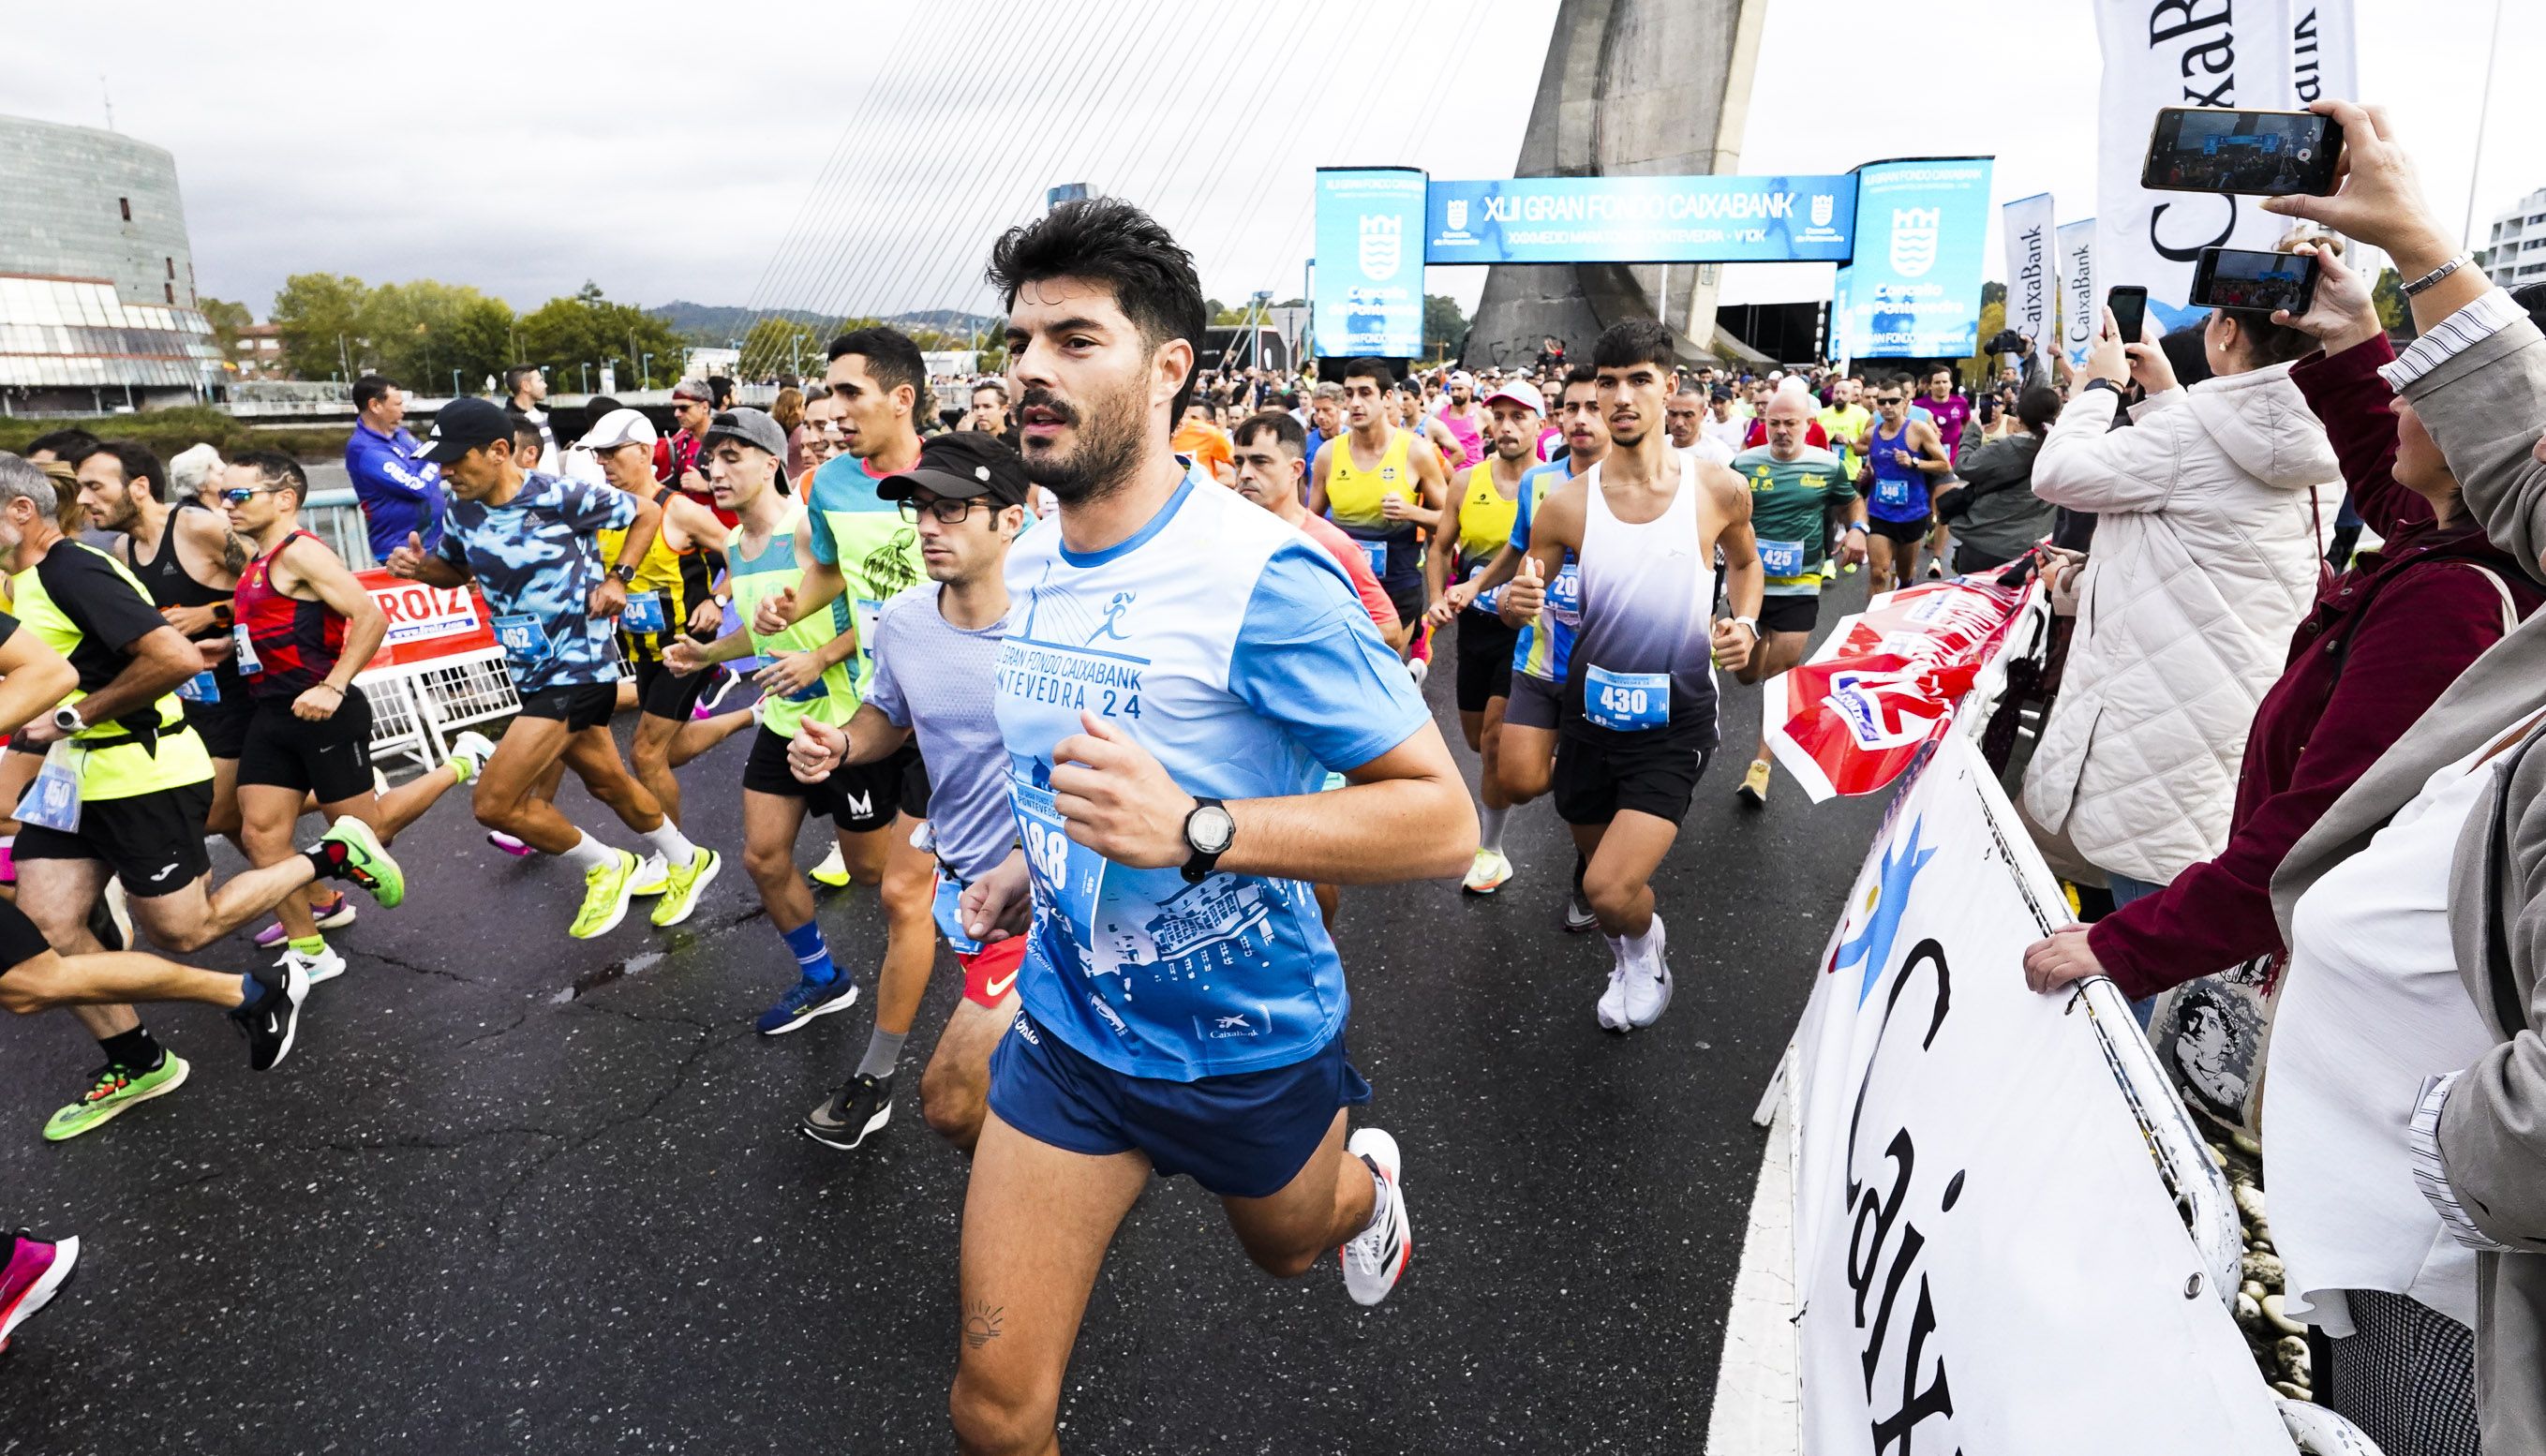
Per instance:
{"type": "Point", "coordinates": [1179, 671]}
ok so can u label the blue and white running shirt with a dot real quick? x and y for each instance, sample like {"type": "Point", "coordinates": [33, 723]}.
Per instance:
{"type": "Point", "coordinates": [1233, 648]}
{"type": "Point", "coordinates": [537, 560]}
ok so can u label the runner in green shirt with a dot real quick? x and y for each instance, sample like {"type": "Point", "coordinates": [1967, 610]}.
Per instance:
{"type": "Point", "coordinates": [1791, 484]}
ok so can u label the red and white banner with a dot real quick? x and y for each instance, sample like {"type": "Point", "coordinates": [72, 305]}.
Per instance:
{"type": "Point", "coordinates": [1885, 683]}
{"type": "Point", "coordinates": [426, 623]}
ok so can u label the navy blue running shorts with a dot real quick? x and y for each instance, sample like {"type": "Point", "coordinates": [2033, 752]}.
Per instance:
{"type": "Point", "coordinates": [1246, 1135]}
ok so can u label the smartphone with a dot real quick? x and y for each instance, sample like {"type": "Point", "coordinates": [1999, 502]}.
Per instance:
{"type": "Point", "coordinates": [2249, 153]}
{"type": "Point", "coordinates": [2129, 303]}
{"type": "Point", "coordinates": [2250, 278]}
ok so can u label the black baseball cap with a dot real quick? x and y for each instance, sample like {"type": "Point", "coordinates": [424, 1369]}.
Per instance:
{"type": "Point", "coordinates": [961, 465]}
{"type": "Point", "coordinates": [465, 425]}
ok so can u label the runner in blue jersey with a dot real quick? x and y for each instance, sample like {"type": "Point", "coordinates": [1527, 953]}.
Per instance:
{"type": "Point", "coordinates": [1179, 673]}
{"type": "Point", "coordinates": [1546, 613]}
{"type": "Point", "coordinates": [1904, 453]}
{"type": "Point", "coordinates": [527, 539]}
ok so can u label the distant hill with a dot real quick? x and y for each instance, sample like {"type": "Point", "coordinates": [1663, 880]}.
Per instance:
{"type": "Point", "coordinates": [713, 324]}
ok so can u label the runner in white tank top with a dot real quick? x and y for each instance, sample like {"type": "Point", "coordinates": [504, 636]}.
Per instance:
{"type": "Point", "coordinates": [1638, 718]}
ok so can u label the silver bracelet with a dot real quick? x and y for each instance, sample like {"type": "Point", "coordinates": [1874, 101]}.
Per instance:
{"type": "Point", "coordinates": [2436, 274]}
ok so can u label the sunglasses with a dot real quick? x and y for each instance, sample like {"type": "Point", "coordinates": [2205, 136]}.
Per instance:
{"type": "Point", "coordinates": [947, 512]}
{"type": "Point", "coordinates": [242, 494]}
{"type": "Point", "coordinates": [1886, 399]}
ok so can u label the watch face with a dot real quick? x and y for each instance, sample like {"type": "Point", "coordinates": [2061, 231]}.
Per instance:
{"type": "Point", "coordinates": [1211, 829]}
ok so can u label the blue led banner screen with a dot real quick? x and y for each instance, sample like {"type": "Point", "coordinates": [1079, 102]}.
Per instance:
{"type": "Point", "coordinates": [1369, 297]}
{"type": "Point", "coordinates": [1923, 227]}
{"type": "Point", "coordinates": [1640, 220]}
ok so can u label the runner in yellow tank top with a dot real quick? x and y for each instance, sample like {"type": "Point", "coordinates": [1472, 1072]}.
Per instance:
{"type": "Point", "coordinates": [1384, 487]}
{"type": "Point", "coordinates": [672, 594]}
{"type": "Point", "coordinates": [1480, 518]}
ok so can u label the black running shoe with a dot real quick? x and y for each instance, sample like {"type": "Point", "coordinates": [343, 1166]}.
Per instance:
{"type": "Point", "coordinates": [271, 1020]}
{"type": "Point", "coordinates": [861, 1106]}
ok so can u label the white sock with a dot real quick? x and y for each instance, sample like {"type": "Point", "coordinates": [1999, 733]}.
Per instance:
{"type": "Point", "coordinates": [668, 842]}
{"type": "Point", "coordinates": [1640, 950]}
{"type": "Point", "coordinates": [1617, 948]}
{"type": "Point", "coordinates": [1379, 1198]}
{"type": "Point", "coordinates": [588, 852]}
{"type": "Point", "coordinates": [1490, 823]}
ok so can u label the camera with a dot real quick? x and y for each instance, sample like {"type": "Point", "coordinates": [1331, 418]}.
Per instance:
{"type": "Point", "coordinates": [2006, 341]}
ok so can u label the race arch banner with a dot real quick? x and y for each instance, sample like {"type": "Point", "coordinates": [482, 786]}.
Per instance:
{"type": "Point", "coordinates": [1985, 1259]}
{"type": "Point", "coordinates": [1642, 219]}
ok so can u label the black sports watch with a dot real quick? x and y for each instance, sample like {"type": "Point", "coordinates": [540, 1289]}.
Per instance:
{"type": "Point", "coordinates": [625, 573]}
{"type": "Point", "coordinates": [1209, 831]}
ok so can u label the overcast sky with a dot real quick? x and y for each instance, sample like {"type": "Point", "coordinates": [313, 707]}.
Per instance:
{"type": "Point", "coordinates": [653, 151]}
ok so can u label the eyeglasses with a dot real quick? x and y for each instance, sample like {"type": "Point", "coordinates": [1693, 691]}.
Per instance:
{"type": "Point", "coordinates": [242, 494]}
{"type": "Point", "coordinates": [947, 512]}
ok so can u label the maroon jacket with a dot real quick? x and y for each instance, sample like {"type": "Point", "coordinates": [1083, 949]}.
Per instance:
{"type": "Point", "coordinates": [2386, 637]}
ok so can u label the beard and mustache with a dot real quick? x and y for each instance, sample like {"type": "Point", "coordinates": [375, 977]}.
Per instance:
{"type": "Point", "coordinates": [1109, 428]}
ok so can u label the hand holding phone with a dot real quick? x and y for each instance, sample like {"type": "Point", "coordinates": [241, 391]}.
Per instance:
{"type": "Point", "coordinates": [2246, 153]}
{"type": "Point", "coordinates": [2128, 305]}
{"type": "Point", "coordinates": [2379, 201]}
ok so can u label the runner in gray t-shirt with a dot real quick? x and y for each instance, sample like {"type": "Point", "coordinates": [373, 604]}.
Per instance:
{"type": "Point", "coordinates": [936, 656]}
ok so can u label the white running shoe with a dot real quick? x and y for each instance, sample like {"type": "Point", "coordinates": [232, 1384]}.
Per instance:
{"type": "Point", "coordinates": [468, 754]}
{"type": "Point", "coordinates": [324, 965]}
{"type": "Point", "coordinates": [1487, 873]}
{"type": "Point", "coordinates": [1648, 986]}
{"type": "Point", "coordinates": [1613, 1002]}
{"type": "Point", "coordinates": [1418, 669]}
{"type": "Point", "coordinates": [653, 877]}
{"type": "Point", "coordinates": [1375, 1258]}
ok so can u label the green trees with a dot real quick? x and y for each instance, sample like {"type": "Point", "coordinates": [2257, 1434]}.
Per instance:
{"type": "Point", "coordinates": [428, 335]}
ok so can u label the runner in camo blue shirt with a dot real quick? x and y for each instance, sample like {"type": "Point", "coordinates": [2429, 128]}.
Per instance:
{"type": "Point", "coordinates": [528, 541]}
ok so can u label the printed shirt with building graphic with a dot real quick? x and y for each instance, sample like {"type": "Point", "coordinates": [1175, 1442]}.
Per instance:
{"type": "Point", "coordinates": [536, 559]}
{"type": "Point", "coordinates": [863, 534]}
{"type": "Point", "coordinates": [832, 698]}
{"type": "Point", "coordinates": [1233, 648]}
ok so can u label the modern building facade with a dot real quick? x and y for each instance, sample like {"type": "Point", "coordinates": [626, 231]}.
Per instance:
{"type": "Point", "coordinates": [97, 281]}
{"type": "Point", "coordinates": [2515, 251]}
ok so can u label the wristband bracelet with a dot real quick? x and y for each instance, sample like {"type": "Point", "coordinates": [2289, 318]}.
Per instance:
{"type": "Point", "coordinates": [2435, 275]}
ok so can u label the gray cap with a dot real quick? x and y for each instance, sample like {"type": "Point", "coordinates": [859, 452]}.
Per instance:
{"type": "Point", "coordinates": [751, 427]}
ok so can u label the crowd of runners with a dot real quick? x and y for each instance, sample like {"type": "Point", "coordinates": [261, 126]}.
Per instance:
{"type": "Point", "coordinates": [1111, 687]}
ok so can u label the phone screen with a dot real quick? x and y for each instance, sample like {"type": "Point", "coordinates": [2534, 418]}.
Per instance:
{"type": "Point", "coordinates": [2248, 153]}
{"type": "Point", "coordinates": [2248, 278]}
{"type": "Point", "coordinates": [2130, 311]}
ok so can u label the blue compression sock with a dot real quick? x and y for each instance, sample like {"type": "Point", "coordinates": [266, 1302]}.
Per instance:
{"type": "Point", "coordinates": [811, 953]}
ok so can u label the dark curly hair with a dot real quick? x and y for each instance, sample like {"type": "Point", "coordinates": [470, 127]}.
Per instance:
{"type": "Point", "coordinates": [1108, 241]}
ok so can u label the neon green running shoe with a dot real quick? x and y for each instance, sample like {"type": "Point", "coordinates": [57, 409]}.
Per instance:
{"type": "Point", "coordinates": [365, 863]}
{"type": "Point", "coordinates": [682, 884]}
{"type": "Point", "coordinates": [833, 872]}
{"type": "Point", "coordinates": [607, 888]}
{"type": "Point", "coordinates": [115, 1091]}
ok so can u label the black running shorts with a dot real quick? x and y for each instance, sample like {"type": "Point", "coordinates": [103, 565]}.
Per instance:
{"type": "Point", "coordinates": [859, 798]}
{"type": "Point", "coordinates": [1484, 659]}
{"type": "Point", "coordinates": [580, 705]}
{"type": "Point", "coordinates": [1653, 773]}
{"type": "Point", "coordinates": [664, 693]}
{"type": "Point", "coordinates": [20, 940]}
{"type": "Point", "coordinates": [330, 758]}
{"type": "Point", "coordinates": [1905, 532]}
{"type": "Point", "coordinates": [153, 841]}
{"type": "Point", "coordinates": [1798, 613]}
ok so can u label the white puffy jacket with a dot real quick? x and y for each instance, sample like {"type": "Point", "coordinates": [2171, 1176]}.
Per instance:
{"type": "Point", "coordinates": [2205, 559]}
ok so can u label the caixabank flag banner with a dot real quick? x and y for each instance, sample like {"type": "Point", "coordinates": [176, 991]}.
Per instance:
{"type": "Point", "coordinates": [2032, 299]}
{"type": "Point", "coordinates": [1922, 230]}
{"type": "Point", "coordinates": [1369, 297]}
{"type": "Point", "coordinates": [1985, 1262]}
{"type": "Point", "coordinates": [1642, 219]}
{"type": "Point", "coordinates": [2081, 306]}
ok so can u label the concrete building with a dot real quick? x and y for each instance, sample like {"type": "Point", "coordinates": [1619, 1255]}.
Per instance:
{"type": "Point", "coordinates": [1629, 88]}
{"type": "Point", "coordinates": [96, 282]}
{"type": "Point", "coordinates": [258, 353]}
{"type": "Point", "coordinates": [2515, 250]}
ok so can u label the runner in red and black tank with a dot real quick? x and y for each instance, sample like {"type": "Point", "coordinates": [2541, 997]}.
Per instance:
{"type": "Point", "coordinates": [306, 627]}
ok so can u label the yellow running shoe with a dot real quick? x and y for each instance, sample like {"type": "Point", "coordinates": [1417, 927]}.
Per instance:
{"type": "Point", "coordinates": [1755, 784]}
{"type": "Point", "coordinates": [682, 884]}
{"type": "Point", "coordinates": [607, 888]}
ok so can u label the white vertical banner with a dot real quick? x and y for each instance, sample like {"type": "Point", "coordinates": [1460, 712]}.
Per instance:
{"type": "Point", "coordinates": [1842, 345]}
{"type": "Point", "coordinates": [2180, 53]}
{"type": "Point", "coordinates": [2031, 308]}
{"type": "Point", "coordinates": [2325, 54]}
{"type": "Point", "coordinates": [2081, 304]}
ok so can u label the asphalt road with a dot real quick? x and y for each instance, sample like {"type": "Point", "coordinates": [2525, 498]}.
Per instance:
{"type": "Point", "coordinates": [516, 1192]}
